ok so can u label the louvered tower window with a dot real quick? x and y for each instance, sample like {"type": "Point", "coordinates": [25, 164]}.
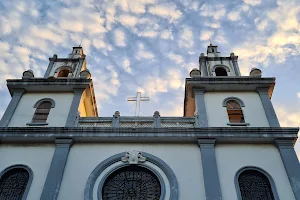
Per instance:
{"type": "Point", "coordinates": [220, 71]}
{"type": "Point", "coordinates": [254, 185]}
{"type": "Point", "coordinates": [42, 112]}
{"type": "Point", "coordinates": [13, 184]}
{"type": "Point", "coordinates": [234, 111]}
{"type": "Point", "coordinates": [63, 73]}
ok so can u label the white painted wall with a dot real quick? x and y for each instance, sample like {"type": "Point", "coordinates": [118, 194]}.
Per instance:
{"type": "Point", "coordinates": [217, 114]}
{"type": "Point", "coordinates": [37, 157]}
{"type": "Point", "coordinates": [231, 158]}
{"type": "Point", "coordinates": [184, 160]}
{"type": "Point", "coordinates": [57, 116]}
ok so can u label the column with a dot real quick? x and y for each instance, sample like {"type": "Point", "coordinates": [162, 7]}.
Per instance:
{"type": "Point", "coordinates": [11, 107]}
{"type": "Point", "coordinates": [73, 113]}
{"type": "Point", "coordinates": [210, 170]}
{"type": "Point", "coordinates": [291, 164]}
{"type": "Point", "coordinates": [202, 63]}
{"type": "Point", "coordinates": [56, 170]}
{"type": "Point", "coordinates": [201, 117]}
{"type": "Point", "coordinates": [268, 107]}
{"type": "Point", "coordinates": [235, 64]}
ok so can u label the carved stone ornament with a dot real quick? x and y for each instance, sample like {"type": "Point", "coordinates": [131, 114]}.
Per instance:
{"type": "Point", "coordinates": [133, 157]}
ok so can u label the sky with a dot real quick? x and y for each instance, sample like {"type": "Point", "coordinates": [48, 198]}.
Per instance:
{"type": "Point", "coordinates": [150, 46]}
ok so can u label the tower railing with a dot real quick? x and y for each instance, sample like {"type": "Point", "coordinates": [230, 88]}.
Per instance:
{"type": "Point", "coordinates": [137, 122]}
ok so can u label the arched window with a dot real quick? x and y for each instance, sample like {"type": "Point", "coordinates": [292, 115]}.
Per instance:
{"type": "Point", "coordinates": [220, 71]}
{"type": "Point", "coordinates": [253, 184]}
{"type": "Point", "coordinates": [63, 73]}
{"type": "Point", "coordinates": [14, 183]}
{"type": "Point", "coordinates": [42, 111]}
{"type": "Point", "coordinates": [235, 112]}
{"type": "Point", "coordinates": [131, 182]}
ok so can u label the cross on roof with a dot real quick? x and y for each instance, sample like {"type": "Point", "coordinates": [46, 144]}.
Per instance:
{"type": "Point", "coordinates": [138, 98]}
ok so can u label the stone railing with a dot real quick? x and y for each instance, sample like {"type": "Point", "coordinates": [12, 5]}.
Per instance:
{"type": "Point", "coordinates": [137, 122]}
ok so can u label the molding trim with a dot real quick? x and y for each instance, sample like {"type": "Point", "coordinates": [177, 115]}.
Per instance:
{"type": "Point", "coordinates": [271, 181]}
{"type": "Point", "coordinates": [201, 116]}
{"type": "Point", "coordinates": [234, 99]}
{"type": "Point", "coordinates": [29, 179]}
{"type": "Point", "coordinates": [182, 135]}
{"type": "Point", "coordinates": [88, 191]}
{"type": "Point", "coordinates": [161, 181]}
{"type": "Point", "coordinates": [44, 99]}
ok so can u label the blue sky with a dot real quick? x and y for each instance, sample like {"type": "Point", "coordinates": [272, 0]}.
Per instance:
{"type": "Point", "coordinates": [151, 45]}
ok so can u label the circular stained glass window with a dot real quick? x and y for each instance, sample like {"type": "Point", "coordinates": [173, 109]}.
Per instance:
{"type": "Point", "coordinates": [131, 183]}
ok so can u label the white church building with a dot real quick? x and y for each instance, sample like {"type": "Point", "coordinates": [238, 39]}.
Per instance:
{"type": "Point", "coordinates": [228, 145]}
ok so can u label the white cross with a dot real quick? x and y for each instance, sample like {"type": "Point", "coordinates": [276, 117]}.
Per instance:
{"type": "Point", "coordinates": [138, 100]}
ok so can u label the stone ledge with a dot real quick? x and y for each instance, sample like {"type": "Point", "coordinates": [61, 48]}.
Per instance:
{"type": "Point", "coordinates": [157, 135]}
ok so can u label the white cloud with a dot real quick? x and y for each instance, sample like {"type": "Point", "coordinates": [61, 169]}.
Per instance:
{"type": "Point", "coordinates": [120, 38]}
{"type": "Point", "coordinates": [234, 15]}
{"type": "Point", "coordinates": [206, 35]}
{"type": "Point", "coordinates": [175, 79]}
{"type": "Point", "coordinates": [168, 11]}
{"type": "Point", "coordinates": [215, 11]}
{"type": "Point", "coordinates": [252, 2]}
{"type": "Point", "coordinates": [126, 65]}
{"type": "Point", "coordinates": [186, 38]}
{"type": "Point", "coordinates": [142, 54]}
{"type": "Point", "coordinates": [128, 20]}
{"type": "Point", "coordinates": [166, 34]}
{"type": "Point", "coordinates": [298, 94]}
{"type": "Point", "coordinates": [176, 58]}
{"type": "Point", "coordinates": [154, 85]}
{"type": "Point", "coordinates": [150, 34]}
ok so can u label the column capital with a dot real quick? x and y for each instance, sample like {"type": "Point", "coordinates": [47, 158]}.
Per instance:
{"type": "Point", "coordinates": [262, 90]}
{"type": "Point", "coordinates": [206, 142]}
{"type": "Point", "coordinates": [198, 90]}
{"type": "Point", "coordinates": [286, 144]}
{"type": "Point", "coordinates": [64, 142]}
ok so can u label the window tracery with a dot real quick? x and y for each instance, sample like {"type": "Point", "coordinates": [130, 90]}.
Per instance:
{"type": "Point", "coordinates": [13, 184]}
{"type": "Point", "coordinates": [254, 185]}
{"type": "Point", "coordinates": [131, 183]}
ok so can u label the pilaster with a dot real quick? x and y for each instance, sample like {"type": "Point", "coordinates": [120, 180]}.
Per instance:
{"type": "Point", "coordinates": [210, 170]}
{"type": "Point", "coordinates": [268, 107]}
{"type": "Point", "coordinates": [71, 120]}
{"type": "Point", "coordinates": [202, 63]}
{"type": "Point", "coordinates": [201, 115]}
{"type": "Point", "coordinates": [16, 97]}
{"type": "Point", "coordinates": [56, 170]}
{"type": "Point", "coordinates": [291, 163]}
{"type": "Point", "coordinates": [235, 64]}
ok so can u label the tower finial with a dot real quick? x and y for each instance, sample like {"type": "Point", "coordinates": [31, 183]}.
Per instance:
{"type": "Point", "coordinates": [210, 41]}
{"type": "Point", "coordinates": [81, 40]}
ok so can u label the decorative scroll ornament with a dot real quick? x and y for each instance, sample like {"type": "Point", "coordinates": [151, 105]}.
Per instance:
{"type": "Point", "coordinates": [133, 157]}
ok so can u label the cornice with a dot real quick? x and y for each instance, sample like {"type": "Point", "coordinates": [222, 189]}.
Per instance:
{"type": "Point", "coordinates": [48, 84]}
{"type": "Point", "coordinates": [157, 135]}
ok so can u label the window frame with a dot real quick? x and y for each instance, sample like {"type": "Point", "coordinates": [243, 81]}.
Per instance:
{"type": "Point", "coordinates": [20, 166]}
{"type": "Point", "coordinates": [269, 177]}
{"type": "Point", "coordinates": [241, 103]}
{"type": "Point", "coordinates": [36, 105]}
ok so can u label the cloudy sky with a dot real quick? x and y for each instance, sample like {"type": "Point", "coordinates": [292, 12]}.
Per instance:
{"type": "Point", "coordinates": [151, 45]}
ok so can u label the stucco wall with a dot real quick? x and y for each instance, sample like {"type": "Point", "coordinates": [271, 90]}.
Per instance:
{"type": "Point", "coordinates": [57, 116]}
{"type": "Point", "coordinates": [253, 111]}
{"type": "Point", "coordinates": [184, 160]}
{"type": "Point", "coordinates": [231, 158]}
{"type": "Point", "coordinates": [37, 157]}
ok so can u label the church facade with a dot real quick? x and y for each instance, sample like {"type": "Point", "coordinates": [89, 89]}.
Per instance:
{"type": "Point", "coordinates": [228, 145]}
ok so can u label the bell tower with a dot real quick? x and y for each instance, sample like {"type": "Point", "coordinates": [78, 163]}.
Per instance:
{"type": "Point", "coordinates": [213, 64]}
{"type": "Point", "coordinates": [218, 96]}
{"type": "Point", "coordinates": [64, 94]}
{"type": "Point", "coordinates": [67, 67]}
